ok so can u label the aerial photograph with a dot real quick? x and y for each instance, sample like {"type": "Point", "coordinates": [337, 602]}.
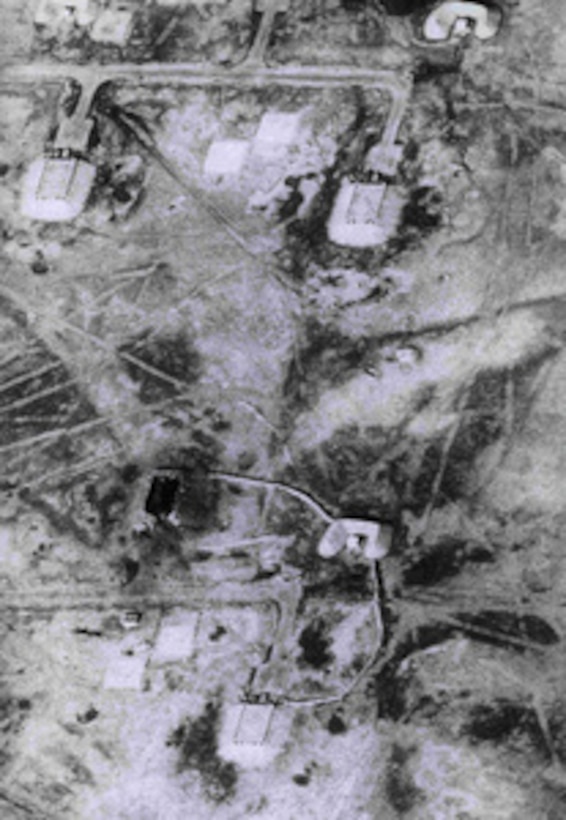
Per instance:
{"type": "Point", "coordinates": [282, 446]}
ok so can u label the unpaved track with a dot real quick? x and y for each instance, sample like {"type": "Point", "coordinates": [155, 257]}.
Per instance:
{"type": "Point", "coordinates": [188, 595]}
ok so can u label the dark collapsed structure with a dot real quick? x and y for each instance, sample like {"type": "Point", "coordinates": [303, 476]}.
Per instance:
{"type": "Point", "coordinates": [403, 7]}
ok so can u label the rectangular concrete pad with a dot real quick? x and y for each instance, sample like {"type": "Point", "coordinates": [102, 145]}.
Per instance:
{"type": "Point", "coordinates": [253, 723]}
{"type": "Point", "coordinates": [226, 157]}
{"type": "Point", "coordinates": [355, 217]}
{"type": "Point", "coordinates": [125, 672]}
{"type": "Point", "coordinates": [176, 638]}
{"type": "Point", "coordinates": [277, 131]}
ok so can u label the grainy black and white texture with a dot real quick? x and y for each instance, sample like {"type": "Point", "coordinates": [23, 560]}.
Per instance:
{"type": "Point", "coordinates": [282, 390]}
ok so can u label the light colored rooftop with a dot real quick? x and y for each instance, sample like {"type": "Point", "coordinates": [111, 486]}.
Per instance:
{"type": "Point", "coordinates": [125, 672]}
{"type": "Point", "coordinates": [370, 539]}
{"type": "Point", "coordinates": [226, 157]}
{"type": "Point", "coordinates": [454, 19]}
{"type": "Point", "coordinates": [53, 12]}
{"type": "Point", "coordinates": [176, 638]}
{"type": "Point", "coordinates": [277, 131]}
{"type": "Point", "coordinates": [246, 735]}
{"type": "Point", "coordinates": [355, 217]}
{"type": "Point", "coordinates": [74, 133]}
{"type": "Point", "coordinates": [56, 189]}
{"type": "Point", "coordinates": [113, 26]}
